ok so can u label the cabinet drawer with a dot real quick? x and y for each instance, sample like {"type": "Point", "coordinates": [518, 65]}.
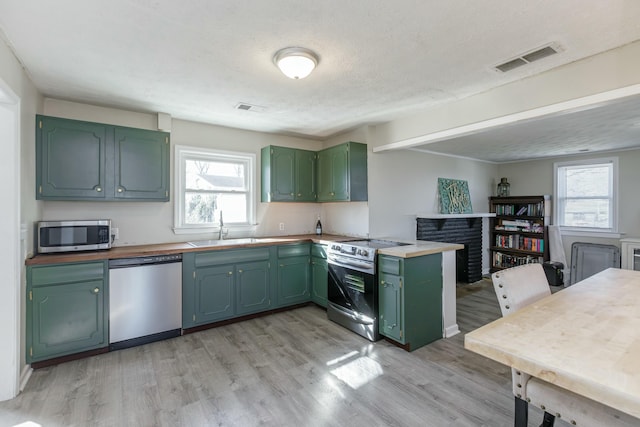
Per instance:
{"type": "Point", "coordinates": [231, 256]}
{"type": "Point", "coordinates": [66, 273]}
{"type": "Point", "coordinates": [319, 251]}
{"type": "Point", "coordinates": [286, 251]}
{"type": "Point", "coordinates": [391, 265]}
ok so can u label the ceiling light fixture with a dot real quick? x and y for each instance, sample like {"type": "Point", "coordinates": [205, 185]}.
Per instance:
{"type": "Point", "coordinates": [295, 62]}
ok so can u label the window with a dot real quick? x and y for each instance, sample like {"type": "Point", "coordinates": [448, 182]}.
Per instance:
{"type": "Point", "coordinates": [586, 195]}
{"type": "Point", "coordinates": [211, 182]}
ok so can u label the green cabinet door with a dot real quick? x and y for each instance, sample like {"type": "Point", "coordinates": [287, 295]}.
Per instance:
{"type": "Point", "coordinates": [319, 275]}
{"type": "Point", "coordinates": [252, 287]}
{"type": "Point", "coordinates": [293, 274]}
{"type": "Point", "coordinates": [70, 159]}
{"type": "Point", "coordinates": [141, 164]}
{"type": "Point", "coordinates": [214, 294]}
{"type": "Point", "coordinates": [305, 176]}
{"type": "Point", "coordinates": [342, 173]}
{"type": "Point", "coordinates": [293, 280]}
{"type": "Point", "coordinates": [282, 174]}
{"type": "Point", "coordinates": [391, 304]}
{"type": "Point", "coordinates": [66, 309]}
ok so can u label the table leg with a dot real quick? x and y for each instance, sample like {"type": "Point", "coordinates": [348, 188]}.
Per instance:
{"type": "Point", "coordinates": [548, 420]}
{"type": "Point", "coordinates": [521, 412]}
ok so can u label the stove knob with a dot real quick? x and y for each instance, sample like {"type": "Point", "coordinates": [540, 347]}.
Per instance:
{"type": "Point", "coordinates": [353, 250]}
{"type": "Point", "coordinates": [364, 252]}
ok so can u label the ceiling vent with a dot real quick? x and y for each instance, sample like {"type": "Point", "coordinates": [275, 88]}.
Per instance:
{"type": "Point", "coordinates": [249, 107]}
{"type": "Point", "coordinates": [528, 58]}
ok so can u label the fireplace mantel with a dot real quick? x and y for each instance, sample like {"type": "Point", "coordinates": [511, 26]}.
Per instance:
{"type": "Point", "coordinates": [447, 216]}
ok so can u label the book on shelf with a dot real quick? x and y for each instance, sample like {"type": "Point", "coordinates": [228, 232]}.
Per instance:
{"type": "Point", "coordinates": [522, 210]}
{"type": "Point", "coordinates": [502, 260]}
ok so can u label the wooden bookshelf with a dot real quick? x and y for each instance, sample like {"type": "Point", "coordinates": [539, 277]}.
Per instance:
{"type": "Point", "coordinates": [518, 232]}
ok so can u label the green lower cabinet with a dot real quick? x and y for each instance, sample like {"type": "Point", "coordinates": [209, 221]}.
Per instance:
{"type": "Point", "coordinates": [410, 305]}
{"type": "Point", "coordinates": [252, 287]}
{"type": "Point", "coordinates": [293, 274]}
{"type": "Point", "coordinates": [319, 275]}
{"type": "Point", "coordinates": [220, 285]}
{"type": "Point", "coordinates": [66, 309]}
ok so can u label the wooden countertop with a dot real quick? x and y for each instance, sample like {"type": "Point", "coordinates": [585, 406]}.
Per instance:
{"type": "Point", "coordinates": [585, 338]}
{"type": "Point", "coordinates": [413, 249]}
{"type": "Point", "coordinates": [181, 247]}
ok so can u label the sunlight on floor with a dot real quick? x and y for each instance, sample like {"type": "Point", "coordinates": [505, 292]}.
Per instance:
{"type": "Point", "coordinates": [357, 372]}
{"type": "Point", "coordinates": [27, 424]}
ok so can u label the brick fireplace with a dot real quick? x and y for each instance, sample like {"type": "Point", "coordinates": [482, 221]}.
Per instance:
{"type": "Point", "coordinates": [465, 230]}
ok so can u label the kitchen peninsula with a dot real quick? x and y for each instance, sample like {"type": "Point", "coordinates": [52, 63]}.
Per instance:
{"type": "Point", "coordinates": [207, 258]}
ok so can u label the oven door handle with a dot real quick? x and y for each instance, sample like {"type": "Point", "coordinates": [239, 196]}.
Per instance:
{"type": "Point", "coordinates": [346, 262]}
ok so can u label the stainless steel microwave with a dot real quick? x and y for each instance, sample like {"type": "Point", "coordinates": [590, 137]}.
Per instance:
{"type": "Point", "coordinates": [71, 236]}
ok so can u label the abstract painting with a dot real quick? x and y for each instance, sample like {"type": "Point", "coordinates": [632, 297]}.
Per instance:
{"type": "Point", "coordinates": [454, 196]}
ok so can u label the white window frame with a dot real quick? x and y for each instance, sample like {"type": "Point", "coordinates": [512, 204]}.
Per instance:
{"type": "Point", "coordinates": [557, 205]}
{"type": "Point", "coordinates": [184, 153]}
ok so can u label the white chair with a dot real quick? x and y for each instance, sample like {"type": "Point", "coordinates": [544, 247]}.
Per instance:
{"type": "Point", "coordinates": [516, 288]}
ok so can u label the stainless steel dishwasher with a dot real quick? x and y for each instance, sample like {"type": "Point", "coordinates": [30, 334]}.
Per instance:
{"type": "Point", "coordinates": [145, 299]}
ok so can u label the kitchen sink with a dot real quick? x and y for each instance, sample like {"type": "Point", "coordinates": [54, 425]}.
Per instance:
{"type": "Point", "coordinates": [212, 242]}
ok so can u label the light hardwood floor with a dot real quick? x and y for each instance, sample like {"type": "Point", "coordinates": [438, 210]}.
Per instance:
{"type": "Point", "coordinates": [294, 368]}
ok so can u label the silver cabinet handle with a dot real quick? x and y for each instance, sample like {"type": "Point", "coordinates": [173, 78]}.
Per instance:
{"type": "Point", "coordinates": [120, 189]}
{"type": "Point", "coordinates": [98, 189]}
{"type": "Point", "coordinates": [96, 290]}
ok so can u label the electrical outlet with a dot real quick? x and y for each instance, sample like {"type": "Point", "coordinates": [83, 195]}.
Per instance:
{"type": "Point", "coordinates": [115, 232]}
{"type": "Point", "coordinates": [282, 226]}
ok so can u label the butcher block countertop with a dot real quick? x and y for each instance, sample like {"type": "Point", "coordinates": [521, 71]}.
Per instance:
{"type": "Point", "coordinates": [419, 248]}
{"type": "Point", "coordinates": [413, 249]}
{"type": "Point", "coordinates": [585, 338]}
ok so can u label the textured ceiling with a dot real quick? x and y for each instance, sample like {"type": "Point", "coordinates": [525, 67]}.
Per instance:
{"type": "Point", "coordinates": [606, 127]}
{"type": "Point", "coordinates": [379, 59]}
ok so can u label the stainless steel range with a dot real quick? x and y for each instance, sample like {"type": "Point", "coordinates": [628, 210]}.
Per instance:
{"type": "Point", "coordinates": [352, 286]}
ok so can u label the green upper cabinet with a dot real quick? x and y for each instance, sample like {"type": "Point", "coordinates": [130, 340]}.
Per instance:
{"type": "Point", "coordinates": [342, 173]}
{"type": "Point", "coordinates": [141, 164]}
{"type": "Point", "coordinates": [66, 309]}
{"type": "Point", "coordinates": [70, 159]}
{"type": "Point", "coordinates": [78, 160]}
{"type": "Point", "coordinates": [288, 175]}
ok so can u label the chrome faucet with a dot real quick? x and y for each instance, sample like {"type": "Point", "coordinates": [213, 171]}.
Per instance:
{"type": "Point", "coordinates": [220, 234]}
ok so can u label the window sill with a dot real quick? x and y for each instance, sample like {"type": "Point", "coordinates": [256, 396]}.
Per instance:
{"type": "Point", "coordinates": [590, 233]}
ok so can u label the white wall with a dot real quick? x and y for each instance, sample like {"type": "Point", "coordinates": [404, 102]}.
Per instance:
{"type": "Point", "coordinates": [144, 223]}
{"type": "Point", "coordinates": [536, 177]}
{"type": "Point", "coordinates": [18, 144]}
{"type": "Point", "coordinates": [404, 183]}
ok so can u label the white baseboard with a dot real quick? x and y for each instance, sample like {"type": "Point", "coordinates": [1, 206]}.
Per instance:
{"type": "Point", "coordinates": [24, 377]}
{"type": "Point", "coordinates": [451, 331]}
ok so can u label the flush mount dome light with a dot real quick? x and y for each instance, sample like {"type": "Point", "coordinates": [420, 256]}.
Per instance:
{"type": "Point", "coordinates": [295, 62]}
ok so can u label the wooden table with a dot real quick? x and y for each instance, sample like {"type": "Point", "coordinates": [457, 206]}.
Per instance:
{"type": "Point", "coordinates": [585, 338]}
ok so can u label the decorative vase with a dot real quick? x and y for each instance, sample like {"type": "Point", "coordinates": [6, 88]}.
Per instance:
{"type": "Point", "coordinates": [503, 188]}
